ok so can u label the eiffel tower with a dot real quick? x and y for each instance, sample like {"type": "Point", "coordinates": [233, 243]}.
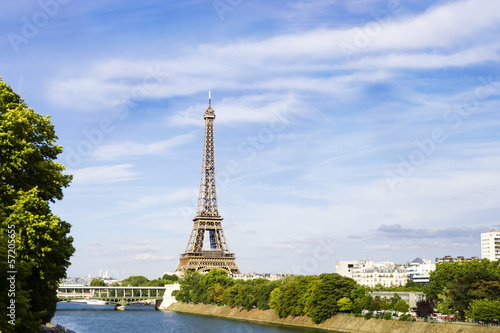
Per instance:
{"type": "Point", "coordinates": [196, 258]}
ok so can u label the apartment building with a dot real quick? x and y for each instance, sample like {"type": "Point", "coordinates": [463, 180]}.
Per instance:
{"type": "Point", "coordinates": [370, 273]}
{"type": "Point", "coordinates": [490, 245]}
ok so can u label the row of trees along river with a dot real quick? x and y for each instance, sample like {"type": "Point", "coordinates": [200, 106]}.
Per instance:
{"type": "Point", "coordinates": [467, 290]}
{"type": "Point", "coordinates": [36, 248]}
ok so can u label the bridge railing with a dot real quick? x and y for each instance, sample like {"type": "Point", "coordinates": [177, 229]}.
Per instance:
{"type": "Point", "coordinates": [110, 292]}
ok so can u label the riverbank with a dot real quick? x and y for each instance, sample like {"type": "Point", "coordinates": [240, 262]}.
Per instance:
{"type": "Point", "coordinates": [336, 323]}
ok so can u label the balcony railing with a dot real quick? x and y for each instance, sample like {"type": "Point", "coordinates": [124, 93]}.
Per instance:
{"type": "Point", "coordinates": [208, 254]}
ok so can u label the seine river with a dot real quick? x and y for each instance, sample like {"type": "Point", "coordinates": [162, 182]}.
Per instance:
{"type": "Point", "coordinates": [83, 318]}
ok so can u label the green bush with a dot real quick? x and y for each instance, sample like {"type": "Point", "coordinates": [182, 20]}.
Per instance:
{"type": "Point", "coordinates": [368, 315]}
{"type": "Point", "coordinates": [405, 317]}
{"type": "Point", "coordinates": [388, 316]}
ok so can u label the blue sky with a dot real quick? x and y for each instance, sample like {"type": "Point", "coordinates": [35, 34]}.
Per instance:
{"type": "Point", "coordinates": [344, 130]}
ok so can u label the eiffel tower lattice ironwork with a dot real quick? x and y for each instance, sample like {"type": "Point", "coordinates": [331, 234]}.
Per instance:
{"type": "Point", "coordinates": [207, 219]}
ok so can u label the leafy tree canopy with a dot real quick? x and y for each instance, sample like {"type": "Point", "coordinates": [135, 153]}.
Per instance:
{"type": "Point", "coordinates": [455, 284]}
{"type": "Point", "coordinates": [171, 277]}
{"type": "Point", "coordinates": [484, 310]}
{"type": "Point", "coordinates": [97, 283]}
{"type": "Point", "coordinates": [135, 281]}
{"type": "Point", "coordinates": [30, 178]}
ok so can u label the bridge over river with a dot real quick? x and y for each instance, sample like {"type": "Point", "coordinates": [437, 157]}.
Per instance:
{"type": "Point", "coordinates": [161, 297]}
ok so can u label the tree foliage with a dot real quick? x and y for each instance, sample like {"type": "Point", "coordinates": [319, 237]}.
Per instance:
{"type": "Point", "coordinates": [324, 300]}
{"type": "Point", "coordinates": [424, 308]}
{"type": "Point", "coordinates": [188, 287]}
{"type": "Point", "coordinates": [97, 283]}
{"type": "Point", "coordinates": [317, 296]}
{"type": "Point", "coordinates": [30, 178]}
{"type": "Point", "coordinates": [454, 285]}
{"type": "Point", "coordinates": [401, 306]}
{"type": "Point", "coordinates": [345, 304]}
{"type": "Point", "coordinates": [28, 155]}
{"type": "Point", "coordinates": [135, 281]}
{"type": "Point", "coordinates": [484, 310]}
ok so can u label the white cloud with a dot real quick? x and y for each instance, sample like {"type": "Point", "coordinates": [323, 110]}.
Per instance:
{"type": "Point", "coordinates": [143, 202]}
{"type": "Point", "coordinates": [448, 35]}
{"type": "Point", "coordinates": [249, 108]}
{"type": "Point", "coordinates": [151, 257]}
{"type": "Point", "coordinates": [103, 174]}
{"type": "Point", "coordinates": [130, 149]}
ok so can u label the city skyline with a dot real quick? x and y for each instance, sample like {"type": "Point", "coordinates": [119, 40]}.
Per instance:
{"type": "Point", "coordinates": [344, 131]}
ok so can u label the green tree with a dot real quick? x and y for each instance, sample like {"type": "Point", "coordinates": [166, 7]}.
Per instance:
{"type": "Point", "coordinates": [359, 292]}
{"type": "Point", "coordinates": [358, 305]}
{"type": "Point", "coordinates": [135, 281]}
{"type": "Point", "coordinates": [464, 281]}
{"type": "Point", "coordinates": [30, 178]}
{"type": "Point", "coordinates": [443, 304]}
{"type": "Point", "coordinates": [170, 277]}
{"type": "Point", "coordinates": [394, 299]}
{"type": "Point", "coordinates": [401, 306]}
{"type": "Point", "coordinates": [459, 295]}
{"type": "Point", "coordinates": [216, 294]}
{"type": "Point", "coordinates": [484, 310]}
{"type": "Point", "coordinates": [235, 294]}
{"type": "Point", "coordinates": [188, 284]}
{"type": "Point", "coordinates": [324, 301]}
{"type": "Point", "coordinates": [485, 289]}
{"type": "Point", "coordinates": [264, 292]}
{"type": "Point", "coordinates": [28, 151]}
{"type": "Point", "coordinates": [345, 304]}
{"type": "Point", "coordinates": [472, 271]}
{"type": "Point", "coordinates": [208, 281]}
{"type": "Point", "coordinates": [23, 320]}
{"type": "Point", "coordinates": [368, 302]}
{"type": "Point", "coordinates": [97, 283]}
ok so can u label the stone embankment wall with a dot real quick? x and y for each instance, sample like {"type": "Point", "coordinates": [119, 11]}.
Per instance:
{"type": "Point", "coordinates": [336, 323]}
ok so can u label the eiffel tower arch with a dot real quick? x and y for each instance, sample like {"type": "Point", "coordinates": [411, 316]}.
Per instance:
{"type": "Point", "coordinates": [207, 218]}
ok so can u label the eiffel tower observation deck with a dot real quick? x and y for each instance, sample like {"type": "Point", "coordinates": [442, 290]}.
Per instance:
{"type": "Point", "coordinates": [207, 219]}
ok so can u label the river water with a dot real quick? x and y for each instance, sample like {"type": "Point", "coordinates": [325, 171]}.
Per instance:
{"type": "Point", "coordinates": [83, 318]}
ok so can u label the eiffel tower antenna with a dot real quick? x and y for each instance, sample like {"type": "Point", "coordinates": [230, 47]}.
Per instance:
{"type": "Point", "coordinates": [207, 218]}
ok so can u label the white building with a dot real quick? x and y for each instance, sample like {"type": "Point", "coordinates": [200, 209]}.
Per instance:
{"type": "Point", "coordinates": [411, 297]}
{"type": "Point", "coordinates": [345, 268]}
{"type": "Point", "coordinates": [370, 273]}
{"type": "Point", "coordinates": [419, 270]}
{"type": "Point", "coordinates": [490, 245]}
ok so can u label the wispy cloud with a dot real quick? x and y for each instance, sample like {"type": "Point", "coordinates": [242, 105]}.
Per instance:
{"type": "Point", "coordinates": [151, 257]}
{"type": "Point", "coordinates": [103, 174]}
{"type": "Point", "coordinates": [143, 202]}
{"type": "Point", "coordinates": [401, 42]}
{"type": "Point", "coordinates": [248, 109]}
{"type": "Point", "coordinates": [114, 151]}
{"type": "Point", "coordinates": [396, 231]}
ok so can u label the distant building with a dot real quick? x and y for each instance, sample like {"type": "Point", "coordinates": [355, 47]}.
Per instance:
{"type": "Point", "coordinates": [419, 270]}
{"type": "Point", "coordinates": [370, 273]}
{"type": "Point", "coordinates": [490, 245]}
{"type": "Point", "coordinates": [345, 268]}
{"type": "Point", "coordinates": [453, 259]}
{"type": "Point", "coordinates": [411, 297]}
